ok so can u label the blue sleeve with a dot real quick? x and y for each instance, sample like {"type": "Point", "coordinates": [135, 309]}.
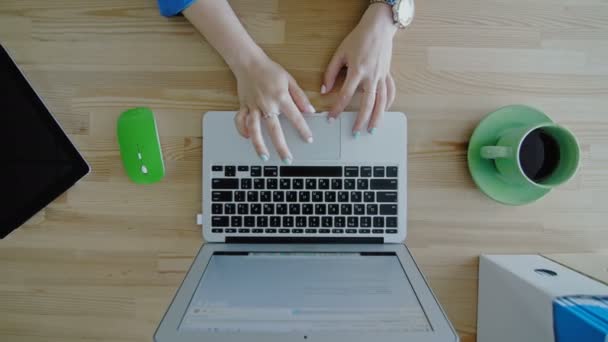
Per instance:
{"type": "Point", "coordinates": [173, 7]}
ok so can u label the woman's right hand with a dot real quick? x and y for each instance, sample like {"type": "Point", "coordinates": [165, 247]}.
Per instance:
{"type": "Point", "coordinates": [266, 90]}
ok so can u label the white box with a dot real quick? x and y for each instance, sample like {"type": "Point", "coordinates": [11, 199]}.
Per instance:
{"type": "Point", "coordinates": [515, 300]}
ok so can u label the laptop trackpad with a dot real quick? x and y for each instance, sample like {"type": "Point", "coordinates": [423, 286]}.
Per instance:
{"type": "Point", "coordinates": [326, 145]}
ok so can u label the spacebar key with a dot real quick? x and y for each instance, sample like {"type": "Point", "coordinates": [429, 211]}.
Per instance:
{"type": "Point", "coordinates": [386, 196]}
{"type": "Point", "coordinates": [311, 171]}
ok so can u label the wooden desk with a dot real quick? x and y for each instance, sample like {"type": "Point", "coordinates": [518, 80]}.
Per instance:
{"type": "Point", "coordinates": [103, 261]}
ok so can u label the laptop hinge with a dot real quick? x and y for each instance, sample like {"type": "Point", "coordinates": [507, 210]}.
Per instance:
{"type": "Point", "coordinates": [289, 239]}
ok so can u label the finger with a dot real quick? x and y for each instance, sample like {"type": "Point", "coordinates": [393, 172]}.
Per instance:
{"type": "Point", "coordinates": [368, 98]}
{"type": "Point", "coordinates": [391, 91]}
{"type": "Point", "coordinates": [346, 93]}
{"type": "Point", "coordinates": [333, 69]}
{"type": "Point", "coordinates": [278, 138]}
{"type": "Point", "coordinates": [255, 130]}
{"type": "Point", "coordinates": [297, 120]}
{"type": "Point", "coordinates": [240, 121]}
{"type": "Point", "coordinates": [300, 98]}
{"type": "Point", "coordinates": [379, 107]}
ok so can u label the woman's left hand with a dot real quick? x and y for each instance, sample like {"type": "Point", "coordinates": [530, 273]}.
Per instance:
{"type": "Point", "coordinates": [366, 53]}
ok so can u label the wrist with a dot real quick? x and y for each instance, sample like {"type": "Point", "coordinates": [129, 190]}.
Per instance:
{"type": "Point", "coordinates": [379, 17]}
{"type": "Point", "coordinates": [240, 60]}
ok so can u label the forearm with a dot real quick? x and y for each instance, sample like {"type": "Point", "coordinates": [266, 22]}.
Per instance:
{"type": "Point", "coordinates": [216, 20]}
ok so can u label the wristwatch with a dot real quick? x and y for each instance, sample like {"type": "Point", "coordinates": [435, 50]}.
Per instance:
{"type": "Point", "coordinates": [403, 11]}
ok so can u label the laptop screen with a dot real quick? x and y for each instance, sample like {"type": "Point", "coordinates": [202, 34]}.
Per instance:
{"type": "Point", "coordinates": [304, 292]}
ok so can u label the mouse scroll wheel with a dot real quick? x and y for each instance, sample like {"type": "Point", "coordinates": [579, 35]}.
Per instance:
{"type": "Point", "coordinates": [138, 155]}
{"type": "Point", "coordinates": [144, 169]}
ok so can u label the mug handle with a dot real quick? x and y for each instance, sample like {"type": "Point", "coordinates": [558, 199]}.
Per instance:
{"type": "Point", "coordinates": [495, 152]}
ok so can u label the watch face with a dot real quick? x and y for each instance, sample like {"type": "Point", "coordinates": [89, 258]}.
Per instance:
{"type": "Point", "coordinates": [405, 10]}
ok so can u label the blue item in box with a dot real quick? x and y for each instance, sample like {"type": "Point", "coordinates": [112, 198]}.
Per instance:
{"type": "Point", "coordinates": [580, 318]}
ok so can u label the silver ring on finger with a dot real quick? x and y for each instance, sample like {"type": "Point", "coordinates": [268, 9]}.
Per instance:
{"type": "Point", "coordinates": [270, 115]}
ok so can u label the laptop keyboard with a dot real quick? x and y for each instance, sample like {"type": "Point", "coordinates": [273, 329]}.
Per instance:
{"type": "Point", "coordinates": [309, 200]}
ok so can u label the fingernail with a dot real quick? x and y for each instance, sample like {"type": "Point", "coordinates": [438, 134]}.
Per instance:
{"type": "Point", "coordinates": [372, 130]}
{"type": "Point", "coordinates": [309, 140]}
{"type": "Point", "coordinates": [323, 89]}
{"type": "Point", "coordinates": [311, 109]}
{"type": "Point", "coordinates": [330, 120]}
{"type": "Point", "coordinates": [264, 157]}
{"type": "Point", "coordinates": [287, 161]}
{"type": "Point", "coordinates": [356, 134]}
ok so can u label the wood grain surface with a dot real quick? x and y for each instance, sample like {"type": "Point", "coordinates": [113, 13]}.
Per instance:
{"type": "Point", "coordinates": [103, 261]}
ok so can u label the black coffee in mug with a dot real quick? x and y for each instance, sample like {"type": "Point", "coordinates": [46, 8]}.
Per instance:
{"type": "Point", "coordinates": [539, 155]}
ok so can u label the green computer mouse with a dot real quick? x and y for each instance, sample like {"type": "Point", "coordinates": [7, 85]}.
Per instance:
{"type": "Point", "coordinates": [140, 146]}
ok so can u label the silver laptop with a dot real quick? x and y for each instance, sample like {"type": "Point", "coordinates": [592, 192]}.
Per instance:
{"type": "Point", "coordinates": [310, 251]}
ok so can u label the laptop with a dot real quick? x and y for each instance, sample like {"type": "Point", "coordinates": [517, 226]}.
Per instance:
{"type": "Point", "coordinates": [309, 251]}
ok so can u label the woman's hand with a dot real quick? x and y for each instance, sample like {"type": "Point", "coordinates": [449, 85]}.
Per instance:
{"type": "Point", "coordinates": [266, 90]}
{"type": "Point", "coordinates": [366, 52]}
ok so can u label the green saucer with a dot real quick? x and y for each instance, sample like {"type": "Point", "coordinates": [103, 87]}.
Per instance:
{"type": "Point", "coordinates": [483, 171]}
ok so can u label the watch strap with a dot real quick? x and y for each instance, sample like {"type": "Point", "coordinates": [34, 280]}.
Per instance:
{"type": "Point", "coordinates": [388, 2]}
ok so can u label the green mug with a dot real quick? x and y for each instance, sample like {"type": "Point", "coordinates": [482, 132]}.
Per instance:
{"type": "Point", "coordinates": [542, 156]}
